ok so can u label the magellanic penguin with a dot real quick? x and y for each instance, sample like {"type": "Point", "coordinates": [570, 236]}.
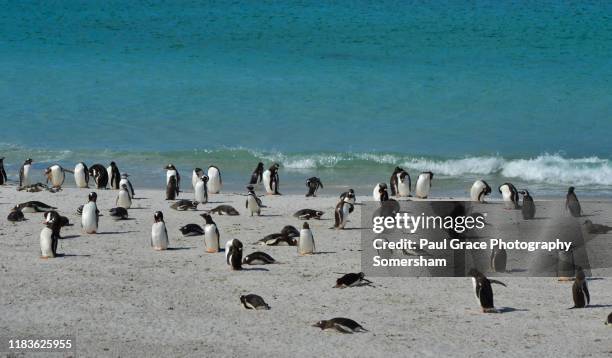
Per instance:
{"type": "Point", "coordinates": [306, 243]}
{"type": "Point", "coordinates": [258, 258]}
{"type": "Point", "coordinates": [341, 213]}
{"type": "Point", "coordinates": [580, 290]}
{"type": "Point", "coordinates": [528, 209]}
{"type": "Point", "coordinates": [423, 185]}
{"type": "Point", "coordinates": [233, 249]}
{"type": "Point", "coordinates": [340, 324]}
{"type": "Point", "coordinates": [313, 184]}
{"type": "Point", "coordinates": [510, 195]}
{"type": "Point", "coordinates": [55, 175]}
{"type": "Point", "coordinates": [90, 215]}
{"type": "Point", "coordinates": [124, 199]}
{"type": "Point", "coordinates": [352, 280]}
{"type": "Point", "coordinates": [572, 204]}
{"type": "Point", "coordinates": [479, 190]}
{"type": "Point", "coordinates": [172, 190]}
{"type": "Point", "coordinates": [498, 259]}
{"type": "Point", "coordinates": [211, 234]}
{"type": "Point", "coordinates": [159, 233]}
{"type": "Point", "coordinates": [195, 176]}
{"type": "Point", "coordinates": [24, 173]}
{"type": "Point", "coordinates": [483, 290]}
{"type": "Point", "coordinates": [377, 190]}
{"type": "Point", "coordinates": [404, 185]}
{"type": "Point", "coordinates": [253, 302]}
{"type": "Point", "coordinates": [3, 177]}
{"type": "Point", "coordinates": [15, 215]}
{"type": "Point", "coordinates": [50, 234]}
{"type": "Point", "coordinates": [113, 175]}
{"type": "Point", "coordinates": [201, 190]}
{"type": "Point", "coordinates": [171, 171]}
{"type": "Point", "coordinates": [81, 175]}
{"type": "Point", "coordinates": [100, 175]}
{"type": "Point", "coordinates": [394, 180]}
{"type": "Point", "coordinates": [257, 175]}
{"type": "Point", "coordinates": [125, 181]}
{"type": "Point", "coordinates": [215, 184]}
{"type": "Point", "coordinates": [253, 203]}
{"type": "Point", "coordinates": [348, 196]}
{"type": "Point", "coordinates": [271, 179]}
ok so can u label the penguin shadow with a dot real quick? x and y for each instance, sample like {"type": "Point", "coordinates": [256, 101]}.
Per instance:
{"type": "Point", "coordinates": [215, 202]}
{"type": "Point", "coordinates": [68, 237]}
{"type": "Point", "coordinates": [269, 215]}
{"type": "Point", "coordinates": [115, 232]}
{"type": "Point", "coordinates": [512, 271]}
{"type": "Point", "coordinates": [139, 208]}
{"type": "Point", "coordinates": [598, 306]}
{"type": "Point", "coordinates": [355, 228]}
{"type": "Point", "coordinates": [179, 248]}
{"type": "Point", "coordinates": [511, 309]}
{"type": "Point", "coordinates": [539, 218]}
{"type": "Point", "coordinates": [324, 252]}
{"type": "Point", "coordinates": [125, 219]}
{"type": "Point", "coordinates": [71, 255]}
{"type": "Point", "coordinates": [139, 198]}
{"type": "Point", "coordinates": [254, 269]}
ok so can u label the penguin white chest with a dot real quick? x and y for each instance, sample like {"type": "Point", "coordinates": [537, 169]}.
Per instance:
{"type": "Point", "coordinates": [159, 236]}
{"type": "Point", "coordinates": [403, 186]}
{"type": "Point", "coordinates": [211, 238]}
{"type": "Point", "coordinates": [201, 192]}
{"type": "Point", "coordinates": [267, 181]}
{"type": "Point", "coordinates": [306, 245]}
{"type": "Point", "coordinates": [228, 245]}
{"type": "Point", "coordinates": [46, 242]}
{"type": "Point", "coordinates": [89, 218]}
{"type": "Point", "coordinates": [79, 176]}
{"type": "Point", "coordinates": [123, 199]}
{"type": "Point", "coordinates": [376, 193]}
{"type": "Point", "coordinates": [423, 186]}
{"type": "Point", "coordinates": [477, 188]}
{"type": "Point", "coordinates": [214, 180]}
{"type": "Point", "coordinates": [26, 174]}
{"type": "Point", "coordinates": [169, 174]}
{"type": "Point", "coordinates": [57, 176]}
{"type": "Point", "coordinates": [253, 205]}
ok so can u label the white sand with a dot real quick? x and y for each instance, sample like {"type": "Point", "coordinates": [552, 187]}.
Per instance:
{"type": "Point", "coordinates": [121, 298]}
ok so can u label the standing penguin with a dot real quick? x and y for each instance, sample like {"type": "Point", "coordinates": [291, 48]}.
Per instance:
{"type": "Point", "coordinates": [498, 260]}
{"type": "Point", "coordinates": [348, 196]}
{"type": "Point", "coordinates": [423, 185]}
{"type": "Point", "coordinates": [50, 234]}
{"type": "Point", "coordinates": [528, 209]}
{"type": "Point", "coordinates": [195, 176]}
{"type": "Point", "coordinates": [172, 190]}
{"type": "Point", "coordinates": [270, 179]}
{"type": "Point", "coordinates": [313, 184]}
{"type": "Point", "coordinates": [125, 181]}
{"type": "Point", "coordinates": [90, 215]}
{"type": "Point", "coordinates": [306, 244]}
{"type": "Point", "coordinates": [81, 175]}
{"type": "Point", "coordinates": [234, 254]}
{"type": "Point", "coordinates": [341, 213]}
{"type": "Point", "coordinates": [159, 233]}
{"type": "Point", "coordinates": [484, 291]}
{"type": "Point", "coordinates": [253, 203]}
{"type": "Point", "coordinates": [215, 184]}
{"type": "Point", "coordinates": [201, 190]}
{"type": "Point", "coordinates": [580, 290]}
{"type": "Point", "coordinates": [383, 195]}
{"type": "Point", "coordinates": [124, 200]}
{"type": "Point", "coordinates": [100, 175]}
{"type": "Point", "coordinates": [404, 185]}
{"type": "Point", "coordinates": [479, 190]}
{"type": "Point", "coordinates": [3, 177]}
{"type": "Point", "coordinates": [211, 234]}
{"type": "Point", "coordinates": [171, 171]}
{"type": "Point", "coordinates": [257, 174]}
{"type": "Point", "coordinates": [24, 173]}
{"type": "Point", "coordinates": [510, 195]}
{"type": "Point", "coordinates": [394, 180]}
{"type": "Point", "coordinates": [113, 175]}
{"type": "Point", "coordinates": [55, 175]}
{"type": "Point", "coordinates": [377, 190]}
{"type": "Point", "coordinates": [572, 204]}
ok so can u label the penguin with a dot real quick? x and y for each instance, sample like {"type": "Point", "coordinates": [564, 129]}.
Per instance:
{"type": "Point", "coordinates": [377, 190]}
{"type": "Point", "coordinates": [15, 215]}
{"type": "Point", "coordinates": [287, 236]}
{"type": "Point", "coordinates": [211, 234]}
{"type": "Point", "coordinates": [49, 235]}
{"type": "Point", "coordinates": [90, 214]}
{"type": "Point", "coordinates": [352, 280]}
{"type": "Point", "coordinates": [253, 302]}
{"type": "Point", "coordinates": [340, 324]}
{"type": "Point", "coordinates": [307, 214]}
{"type": "Point", "coordinates": [484, 291]}
{"type": "Point", "coordinates": [201, 190]}
{"type": "Point", "coordinates": [118, 213]}
{"type": "Point", "coordinates": [224, 210]}
{"type": "Point", "coordinates": [348, 196]}
{"type": "Point", "coordinates": [257, 175]}
{"type": "Point", "coordinates": [572, 204]}
{"type": "Point", "coordinates": [479, 190]}
{"type": "Point", "coordinates": [423, 185]}
{"type": "Point", "coordinates": [79, 210]}
{"type": "Point", "coordinates": [55, 175]}
{"type": "Point", "coordinates": [528, 209]}
{"type": "Point", "coordinates": [81, 175]}
{"type": "Point", "coordinates": [53, 216]}
{"type": "Point", "coordinates": [125, 181]}
{"type": "Point", "coordinates": [510, 195]}
{"type": "Point", "coordinates": [124, 200]}
{"type": "Point", "coordinates": [113, 175]}
{"type": "Point", "coordinates": [404, 184]}
{"type": "Point", "coordinates": [24, 173]}
{"type": "Point", "coordinates": [609, 320]}
{"type": "Point", "coordinates": [34, 207]}
{"type": "Point", "coordinates": [182, 205]}
{"type": "Point", "coordinates": [565, 264]}
{"type": "Point", "coordinates": [313, 184]}
{"type": "Point", "coordinates": [215, 184]}
{"type": "Point", "coordinates": [596, 229]}
{"type": "Point", "coordinates": [100, 175]}
{"type": "Point", "coordinates": [171, 171]}
{"type": "Point", "coordinates": [191, 230]}
{"type": "Point", "coordinates": [497, 261]}
{"type": "Point", "coordinates": [159, 233]}
{"type": "Point", "coordinates": [234, 254]}
{"type": "Point", "coordinates": [195, 176]}
{"type": "Point", "coordinates": [394, 180]}
{"type": "Point", "coordinates": [383, 195]}
{"type": "Point", "coordinates": [253, 203]}
{"type": "Point", "coordinates": [580, 290]}
{"type": "Point", "coordinates": [341, 213]}
{"type": "Point", "coordinates": [306, 244]}
{"type": "Point", "coordinates": [172, 190]}
{"type": "Point", "coordinates": [258, 258]}
{"type": "Point", "coordinates": [3, 177]}
{"type": "Point", "coordinates": [271, 180]}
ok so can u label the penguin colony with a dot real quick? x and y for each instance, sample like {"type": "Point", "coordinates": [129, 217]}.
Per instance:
{"type": "Point", "coordinates": [400, 185]}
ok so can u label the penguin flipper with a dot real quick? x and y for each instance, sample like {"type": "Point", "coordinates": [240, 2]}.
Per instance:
{"type": "Point", "coordinates": [498, 282]}
{"type": "Point", "coordinates": [586, 293]}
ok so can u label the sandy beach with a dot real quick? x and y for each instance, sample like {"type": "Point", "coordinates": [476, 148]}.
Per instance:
{"type": "Point", "coordinates": [121, 299]}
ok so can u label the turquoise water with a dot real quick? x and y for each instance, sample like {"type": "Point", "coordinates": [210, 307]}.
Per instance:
{"type": "Point", "coordinates": [504, 91]}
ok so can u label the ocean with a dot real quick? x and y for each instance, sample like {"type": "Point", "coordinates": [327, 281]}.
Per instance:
{"type": "Point", "coordinates": [504, 91]}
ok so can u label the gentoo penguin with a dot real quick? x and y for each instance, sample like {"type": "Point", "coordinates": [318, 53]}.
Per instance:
{"type": "Point", "coordinates": [211, 234]}
{"type": "Point", "coordinates": [125, 181]}
{"type": "Point", "coordinates": [483, 290]}
{"type": "Point", "coordinates": [341, 213]}
{"type": "Point", "coordinates": [394, 180]}
{"type": "Point", "coordinates": [124, 200]}
{"type": "Point", "coordinates": [253, 302]}
{"type": "Point", "coordinates": [348, 196]}
{"type": "Point", "coordinates": [49, 236]}
{"type": "Point", "coordinates": [3, 177]}
{"type": "Point", "coordinates": [90, 215]}
{"type": "Point", "coordinates": [24, 173]}
{"type": "Point", "coordinates": [383, 195]}
{"type": "Point", "coordinates": [79, 210]}
{"type": "Point", "coordinates": [253, 203]}
{"type": "Point", "coordinates": [313, 184]}
{"type": "Point", "coordinates": [55, 175]}
{"type": "Point", "coordinates": [256, 177]}
{"type": "Point", "coordinates": [81, 175]}
{"type": "Point", "coordinates": [376, 191]}
{"type": "Point", "coordinates": [195, 176]}
{"type": "Point", "coordinates": [34, 207]}
{"type": "Point", "coordinates": [191, 230]}
{"type": "Point", "coordinates": [580, 290]}
{"type": "Point", "coordinates": [510, 195]}
{"type": "Point", "coordinates": [201, 190]}
{"type": "Point", "coordinates": [172, 190]}
{"type": "Point", "coordinates": [182, 205]}
{"type": "Point", "coordinates": [572, 204]}
{"type": "Point", "coordinates": [15, 215]}
{"type": "Point", "coordinates": [214, 180]}
{"type": "Point", "coordinates": [306, 244]}
{"type": "Point", "coordinates": [100, 175]}
{"type": "Point", "coordinates": [307, 214]}
{"type": "Point", "coordinates": [423, 185]}
{"type": "Point", "coordinates": [271, 180]}
{"type": "Point", "coordinates": [404, 185]}
{"type": "Point", "coordinates": [498, 259]}
{"type": "Point", "coordinates": [340, 324]}
{"type": "Point", "coordinates": [224, 210]}
{"type": "Point", "coordinates": [113, 175]}
{"type": "Point", "coordinates": [171, 171]}
{"type": "Point", "coordinates": [159, 233]}
{"type": "Point", "coordinates": [233, 249]}
{"type": "Point", "coordinates": [118, 213]}
{"type": "Point", "coordinates": [528, 209]}
{"type": "Point", "coordinates": [596, 229]}
{"type": "Point", "coordinates": [258, 258]}
{"type": "Point", "coordinates": [479, 190]}
{"type": "Point", "coordinates": [352, 280]}
{"type": "Point", "coordinates": [285, 237]}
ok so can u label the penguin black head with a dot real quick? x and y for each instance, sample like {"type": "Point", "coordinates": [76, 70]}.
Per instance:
{"type": "Point", "coordinates": [93, 196]}
{"type": "Point", "coordinates": [112, 164]}
{"type": "Point", "coordinates": [260, 165]}
{"type": "Point", "coordinates": [50, 217]}
{"type": "Point", "coordinates": [250, 188]}
{"type": "Point", "coordinates": [170, 166]}
{"type": "Point", "coordinates": [124, 175]}
{"type": "Point", "coordinates": [1, 159]}
{"type": "Point", "coordinates": [27, 161]}
{"type": "Point", "coordinates": [124, 186]}
{"type": "Point", "coordinates": [570, 190]}
{"type": "Point", "coordinates": [158, 216]}
{"type": "Point", "coordinates": [306, 226]}
{"type": "Point", "coordinates": [207, 218]}
{"type": "Point", "coordinates": [361, 275]}
{"type": "Point", "coordinates": [474, 273]}
{"type": "Point", "coordinates": [198, 170]}
{"type": "Point", "coordinates": [204, 178]}
{"type": "Point", "coordinates": [321, 324]}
